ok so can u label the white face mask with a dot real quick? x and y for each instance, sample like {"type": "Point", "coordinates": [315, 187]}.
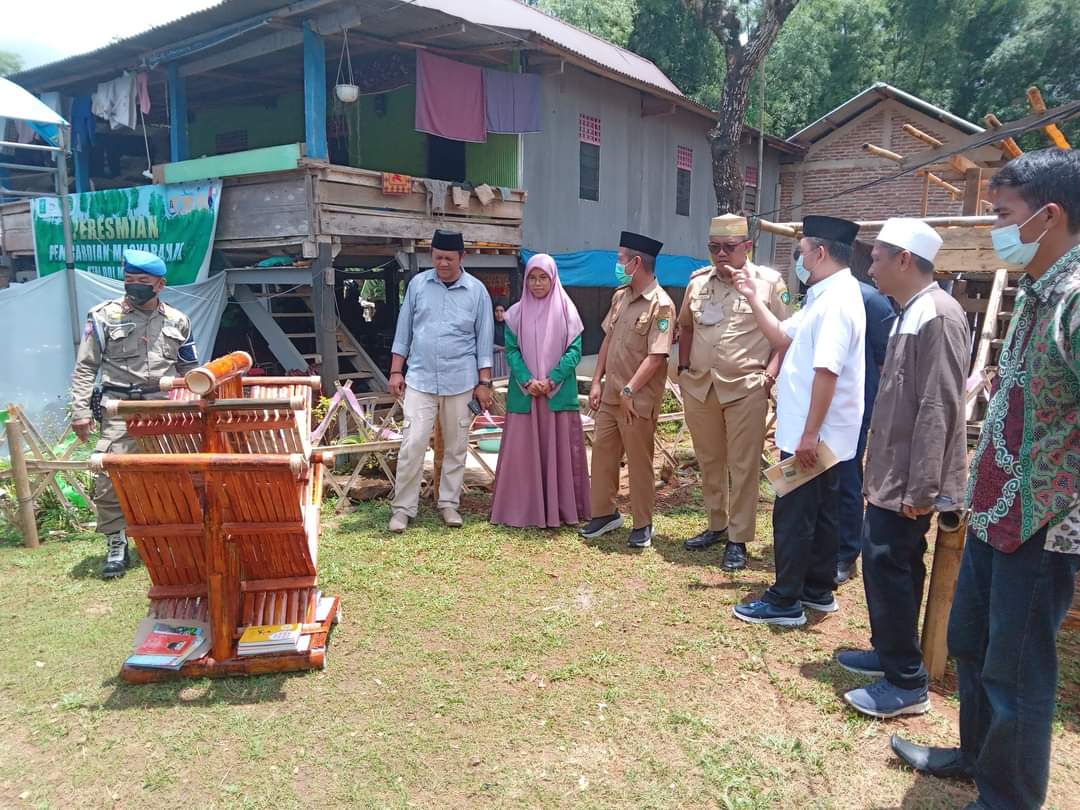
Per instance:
{"type": "Point", "coordinates": [1010, 246]}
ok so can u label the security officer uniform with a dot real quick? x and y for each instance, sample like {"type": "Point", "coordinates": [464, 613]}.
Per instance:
{"type": "Point", "coordinates": [637, 325]}
{"type": "Point", "coordinates": [726, 392]}
{"type": "Point", "coordinates": [131, 348]}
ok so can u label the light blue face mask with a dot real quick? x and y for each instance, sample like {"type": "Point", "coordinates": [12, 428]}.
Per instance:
{"type": "Point", "coordinates": [1010, 246]}
{"type": "Point", "coordinates": [621, 275]}
{"type": "Point", "coordinates": [801, 272]}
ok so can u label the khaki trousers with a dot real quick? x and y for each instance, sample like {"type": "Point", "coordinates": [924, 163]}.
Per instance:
{"type": "Point", "coordinates": [728, 440]}
{"type": "Point", "coordinates": [611, 438]}
{"type": "Point", "coordinates": [421, 411]}
{"type": "Point", "coordinates": [114, 439]}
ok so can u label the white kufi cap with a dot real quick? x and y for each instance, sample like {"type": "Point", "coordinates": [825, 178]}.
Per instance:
{"type": "Point", "coordinates": [912, 235]}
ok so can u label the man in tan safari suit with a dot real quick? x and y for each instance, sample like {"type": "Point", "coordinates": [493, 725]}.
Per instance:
{"type": "Point", "coordinates": [726, 370]}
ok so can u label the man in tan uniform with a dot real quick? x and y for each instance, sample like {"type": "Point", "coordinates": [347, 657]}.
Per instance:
{"type": "Point", "coordinates": [726, 370]}
{"type": "Point", "coordinates": [628, 388]}
{"type": "Point", "coordinates": [132, 341]}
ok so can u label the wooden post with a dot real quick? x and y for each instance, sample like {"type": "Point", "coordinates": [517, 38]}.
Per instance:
{"type": "Point", "coordinates": [925, 203]}
{"type": "Point", "coordinates": [324, 301]}
{"type": "Point", "coordinates": [438, 447]}
{"type": "Point", "coordinates": [948, 552]}
{"type": "Point", "coordinates": [315, 95]}
{"type": "Point", "coordinates": [23, 495]}
{"type": "Point", "coordinates": [989, 331]}
{"type": "Point", "coordinates": [972, 189]}
{"type": "Point", "coordinates": [178, 112]}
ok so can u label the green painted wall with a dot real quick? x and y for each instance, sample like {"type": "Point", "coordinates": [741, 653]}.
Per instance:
{"type": "Point", "coordinates": [271, 124]}
{"type": "Point", "coordinates": [494, 162]}
{"type": "Point", "coordinates": [390, 142]}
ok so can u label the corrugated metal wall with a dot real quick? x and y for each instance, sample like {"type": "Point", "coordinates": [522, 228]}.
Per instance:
{"type": "Point", "coordinates": [278, 122]}
{"type": "Point", "coordinates": [494, 162]}
{"type": "Point", "coordinates": [387, 141]}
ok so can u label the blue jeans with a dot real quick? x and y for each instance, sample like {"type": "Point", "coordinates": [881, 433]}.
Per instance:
{"type": "Point", "coordinates": [850, 501]}
{"type": "Point", "coordinates": [1002, 632]}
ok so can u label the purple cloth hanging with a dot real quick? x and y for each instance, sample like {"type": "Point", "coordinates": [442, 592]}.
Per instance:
{"type": "Point", "coordinates": [449, 98]}
{"type": "Point", "coordinates": [512, 101]}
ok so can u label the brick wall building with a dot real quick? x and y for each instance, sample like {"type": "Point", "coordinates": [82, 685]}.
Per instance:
{"type": "Point", "coordinates": [834, 160]}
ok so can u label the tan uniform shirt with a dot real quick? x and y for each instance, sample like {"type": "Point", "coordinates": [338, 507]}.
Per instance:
{"type": "Point", "coordinates": [130, 347]}
{"type": "Point", "coordinates": [729, 352]}
{"type": "Point", "coordinates": [637, 325]}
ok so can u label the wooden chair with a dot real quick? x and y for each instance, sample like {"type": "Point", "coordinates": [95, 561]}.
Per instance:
{"type": "Point", "coordinates": [224, 507]}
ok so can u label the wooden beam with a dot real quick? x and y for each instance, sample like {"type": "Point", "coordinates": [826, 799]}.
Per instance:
{"type": "Point", "coordinates": [426, 35]}
{"type": "Point", "coordinates": [282, 348]}
{"type": "Point", "coordinates": [1056, 136]}
{"type": "Point", "coordinates": [972, 189]}
{"type": "Point", "coordinates": [315, 95]}
{"type": "Point", "coordinates": [970, 143]}
{"type": "Point", "coordinates": [898, 158]}
{"type": "Point", "coordinates": [277, 41]}
{"type": "Point", "coordinates": [1008, 146]}
{"type": "Point", "coordinates": [178, 115]}
{"type": "Point", "coordinates": [324, 299]}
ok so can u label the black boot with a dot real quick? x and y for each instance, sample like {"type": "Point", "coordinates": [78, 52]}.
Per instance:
{"type": "Point", "coordinates": [116, 559]}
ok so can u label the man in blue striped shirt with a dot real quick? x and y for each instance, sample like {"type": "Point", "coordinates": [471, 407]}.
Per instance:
{"type": "Point", "coordinates": [445, 331]}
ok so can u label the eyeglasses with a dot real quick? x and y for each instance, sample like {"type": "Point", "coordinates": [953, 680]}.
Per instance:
{"type": "Point", "coordinates": [725, 247]}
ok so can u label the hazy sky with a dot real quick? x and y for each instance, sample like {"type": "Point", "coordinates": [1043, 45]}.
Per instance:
{"type": "Point", "coordinates": [43, 31]}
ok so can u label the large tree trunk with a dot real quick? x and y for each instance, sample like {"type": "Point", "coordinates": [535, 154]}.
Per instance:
{"type": "Point", "coordinates": [722, 17]}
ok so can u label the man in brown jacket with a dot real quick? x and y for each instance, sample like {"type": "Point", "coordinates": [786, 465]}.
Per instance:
{"type": "Point", "coordinates": [916, 464]}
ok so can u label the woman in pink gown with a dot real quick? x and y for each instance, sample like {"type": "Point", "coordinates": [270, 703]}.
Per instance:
{"type": "Point", "coordinates": [542, 479]}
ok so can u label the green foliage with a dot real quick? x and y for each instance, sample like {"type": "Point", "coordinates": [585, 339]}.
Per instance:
{"type": "Point", "coordinates": [667, 34]}
{"type": "Point", "coordinates": [611, 19]}
{"type": "Point", "coordinates": [9, 63]}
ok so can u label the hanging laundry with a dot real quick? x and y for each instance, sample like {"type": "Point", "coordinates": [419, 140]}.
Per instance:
{"type": "Point", "coordinates": [142, 90]}
{"type": "Point", "coordinates": [506, 194]}
{"type": "Point", "coordinates": [461, 196]}
{"type": "Point", "coordinates": [83, 127]}
{"type": "Point", "coordinates": [485, 194]}
{"type": "Point", "coordinates": [512, 101]}
{"type": "Point", "coordinates": [115, 102]}
{"type": "Point", "coordinates": [24, 132]}
{"type": "Point", "coordinates": [437, 195]}
{"type": "Point", "coordinates": [396, 183]}
{"type": "Point", "coordinates": [449, 98]}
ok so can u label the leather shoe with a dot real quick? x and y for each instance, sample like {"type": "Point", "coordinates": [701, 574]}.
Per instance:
{"type": "Point", "coordinates": [945, 763]}
{"type": "Point", "coordinates": [734, 557]}
{"type": "Point", "coordinates": [451, 518]}
{"type": "Point", "coordinates": [706, 539]}
{"type": "Point", "coordinates": [399, 521]}
{"type": "Point", "coordinates": [845, 571]}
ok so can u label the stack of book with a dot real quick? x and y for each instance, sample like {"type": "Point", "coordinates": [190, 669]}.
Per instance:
{"type": "Point", "coordinates": [264, 639]}
{"type": "Point", "coordinates": [169, 643]}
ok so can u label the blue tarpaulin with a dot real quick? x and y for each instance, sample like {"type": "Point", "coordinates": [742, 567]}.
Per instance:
{"type": "Point", "coordinates": [596, 268]}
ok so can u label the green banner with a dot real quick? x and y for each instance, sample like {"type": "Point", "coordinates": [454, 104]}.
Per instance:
{"type": "Point", "coordinates": [175, 221]}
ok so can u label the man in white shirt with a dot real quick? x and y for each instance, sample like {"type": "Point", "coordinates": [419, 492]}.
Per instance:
{"type": "Point", "coordinates": [819, 398]}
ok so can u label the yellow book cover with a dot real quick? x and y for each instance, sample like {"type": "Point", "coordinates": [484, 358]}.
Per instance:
{"type": "Point", "coordinates": [264, 633]}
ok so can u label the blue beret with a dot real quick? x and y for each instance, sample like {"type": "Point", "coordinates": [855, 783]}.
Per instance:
{"type": "Point", "coordinates": [142, 261]}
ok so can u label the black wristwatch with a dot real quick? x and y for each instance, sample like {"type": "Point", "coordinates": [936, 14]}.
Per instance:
{"type": "Point", "coordinates": [487, 383]}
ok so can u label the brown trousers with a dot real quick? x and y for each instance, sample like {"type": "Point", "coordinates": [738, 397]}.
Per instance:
{"type": "Point", "coordinates": [728, 440]}
{"type": "Point", "coordinates": [114, 439]}
{"type": "Point", "coordinates": [611, 438]}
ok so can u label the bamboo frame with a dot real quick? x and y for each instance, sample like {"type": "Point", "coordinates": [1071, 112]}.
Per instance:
{"type": "Point", "coordinates": [948, 552]}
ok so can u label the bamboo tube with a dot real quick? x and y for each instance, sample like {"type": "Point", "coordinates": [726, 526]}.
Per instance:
{"type": "Point", "coordinates": [1009, 147]}
{"type": "Point", "coordinates": [208, 377]}
{"type": "Point", "coordinates": [438, 446]}
{"type": "Point", "coordinates": [23, 494]}
{"type": "Point", "coordinates": [919, 135]}
{"type": "Point", "coordinates": [897, 158]}
{"type": "Point", "coordinates": [1056, 136]}
{"type": "Point", "coordinates": [793, 230]}
{"type": "Point", "coordinates": [948, 552]}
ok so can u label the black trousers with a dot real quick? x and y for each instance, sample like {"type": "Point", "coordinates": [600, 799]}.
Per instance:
{"type": "Point", "coordinates": [894, 572]}
{"type": "Point", "coordinates": [805, 541]}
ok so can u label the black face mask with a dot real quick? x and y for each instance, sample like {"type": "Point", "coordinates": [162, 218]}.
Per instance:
{"type": "Point", "coordinates": [139, 294]}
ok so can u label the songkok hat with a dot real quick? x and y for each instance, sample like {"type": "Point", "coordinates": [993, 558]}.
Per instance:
{"type": "Point", "coordinates": [142, 261]}
{"type": "Point", "coordinates": [838, 230]}
{"type": "Point", "coordinates": [729, 225]}
{"type": "Point", "coordinates": [642, 244]}
{"type": "Point", "coordinates": [448, 240]}
{"type": "Point", "coordinates": [911, 234]}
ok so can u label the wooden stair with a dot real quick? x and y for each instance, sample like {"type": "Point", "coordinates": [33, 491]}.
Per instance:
{"type": "Point", "coordinates": [293, 312]}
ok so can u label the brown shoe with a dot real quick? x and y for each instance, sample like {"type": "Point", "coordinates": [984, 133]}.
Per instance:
{"type": "Point", "coordinates": [451, 518]}
{"type": "Point", "coordinates": [399, 522]}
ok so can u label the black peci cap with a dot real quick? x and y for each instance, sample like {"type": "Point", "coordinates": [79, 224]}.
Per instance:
{"type": "Point", "coordinates": [838, 230]}
{"type": "Point", "coordinates": [642, 244]}
{"type": "Point", "coordinates": [448, 240]}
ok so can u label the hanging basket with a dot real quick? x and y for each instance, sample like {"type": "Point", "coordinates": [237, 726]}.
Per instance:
{"type": "Point", "coordinates": [347, 93]}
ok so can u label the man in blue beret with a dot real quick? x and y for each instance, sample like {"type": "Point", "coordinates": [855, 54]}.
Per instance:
{"type": "Point", "coordinates": [132, 342]}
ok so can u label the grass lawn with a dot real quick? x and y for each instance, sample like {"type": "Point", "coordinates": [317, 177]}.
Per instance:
{"type": "Point", "coordinates": [474, 668]}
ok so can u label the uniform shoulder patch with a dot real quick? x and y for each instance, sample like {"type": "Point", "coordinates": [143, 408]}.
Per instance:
{"type": "Point", "coordinates": [663, 324]}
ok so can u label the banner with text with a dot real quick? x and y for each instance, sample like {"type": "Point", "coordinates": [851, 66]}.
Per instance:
{"type": "Point", "coordinates": [175, 221]}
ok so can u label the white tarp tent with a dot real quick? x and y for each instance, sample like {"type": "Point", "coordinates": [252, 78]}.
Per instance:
{"type": "Point", "coordinates": [36, 354]}
{"type": "Point", "coordinates": [21, 105]}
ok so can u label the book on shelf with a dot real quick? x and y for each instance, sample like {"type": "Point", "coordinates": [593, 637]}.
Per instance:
{"type": "Point", "coordinates": [169, 643]}
{"type": "Point", "coordinates": [270, 638]}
